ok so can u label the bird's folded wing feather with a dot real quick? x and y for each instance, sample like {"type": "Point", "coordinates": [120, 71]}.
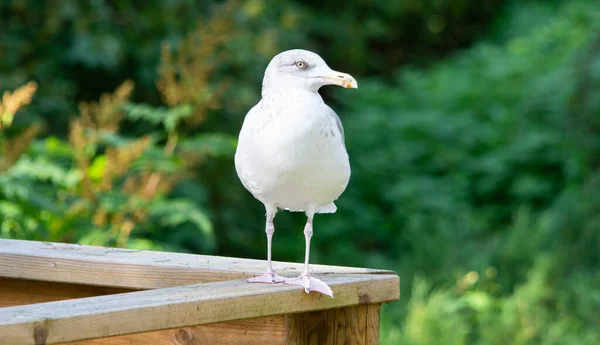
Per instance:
{"type": "Point", "coordinates": [338, 123]}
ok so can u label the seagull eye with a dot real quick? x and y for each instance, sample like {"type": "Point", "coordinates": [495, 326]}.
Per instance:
{"type": "Point", "coordinates": [300, 64]}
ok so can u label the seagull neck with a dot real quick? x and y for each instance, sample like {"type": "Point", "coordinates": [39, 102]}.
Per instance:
{"type": "Point", "coordinates": [268, 91]}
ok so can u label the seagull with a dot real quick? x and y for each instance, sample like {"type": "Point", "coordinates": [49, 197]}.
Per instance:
{"type": "Point", "coordinates": [291, 153]}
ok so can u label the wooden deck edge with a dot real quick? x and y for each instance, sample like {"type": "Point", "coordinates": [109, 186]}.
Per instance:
{"type": "Point", "coordinates": [136, 269]}
{"type": "Point", "coordinates": [269, 330]}
{"type": "Point", "coordinates": [143, 311]}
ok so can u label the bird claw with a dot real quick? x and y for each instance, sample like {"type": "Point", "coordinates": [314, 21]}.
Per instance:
{"type": "Point", "coordinates": [310, 284]}
{"type": "Point", "coordinates": [269, 278]}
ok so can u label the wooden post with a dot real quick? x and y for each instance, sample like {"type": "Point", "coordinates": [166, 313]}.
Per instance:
{"type": "Point", "coordinates": [357, 325]}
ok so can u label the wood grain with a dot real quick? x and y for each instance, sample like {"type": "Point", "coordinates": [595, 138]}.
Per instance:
{"type": "Point", "coordinates": [259, 331]}
{"type": "Point", "coordinates": [307, 328]}
{"type": "Point", "coordinates": [344, 326]}
{"type": "Point", "coordinates": [373, 324]}
{"type": "Point", "coordinates": [142, 311]}
{"type": "Point", "coordinates": [356, 319]}
{"type": "Point", "coordinates": [135, 269]}
{"type": "Point", "coordinates": [15, 292]}
{"type": "Point", "coordinates": [336, 321]}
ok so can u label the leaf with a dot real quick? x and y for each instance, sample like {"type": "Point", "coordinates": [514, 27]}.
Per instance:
{"type": "Point", "coordinates": [143, 244]}
{"type": "Point", "coordinates": [168, 117]}
{"type": "Point", "coordinates": [95, 237]}
{"type": "Point", "coordinates": [42, 169]}
{"type": "Point", "coordinates": [154, 159]}
{"type": "Point", "coordinates": [51, 146]}
{"type": "Point", "coordinates": [10, 210]}
{"type": "Point", "coordinates": [173, 212]}
{"type": "Point", "coordinates": [114, 201]}
{"type": "Point", "coordinates": [115, 140]}
{"type": "Point", "coordinates": [97, 168]}
{"type": "Point", "coordinates": [211, 144]}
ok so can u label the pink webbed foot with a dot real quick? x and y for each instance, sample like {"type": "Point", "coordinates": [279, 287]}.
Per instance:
{"type": "Point", "coordinates": [310, 284]}
{"type": "Point", "coordinates": [269, 278]}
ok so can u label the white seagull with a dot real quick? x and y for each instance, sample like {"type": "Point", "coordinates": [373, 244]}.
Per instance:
{"type": "Point", "coordinates": [291, 153]}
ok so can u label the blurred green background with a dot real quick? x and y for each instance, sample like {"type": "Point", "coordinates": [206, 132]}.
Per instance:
{"type": "Point", "coordinates": [474, 141]}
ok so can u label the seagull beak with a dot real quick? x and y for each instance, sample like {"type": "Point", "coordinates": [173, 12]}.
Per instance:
{"type": "Point", "coordinates": [342, 79]}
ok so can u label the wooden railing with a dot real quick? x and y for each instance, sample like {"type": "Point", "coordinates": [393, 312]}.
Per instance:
{"type": "Point", "coordinates": [54, 293]}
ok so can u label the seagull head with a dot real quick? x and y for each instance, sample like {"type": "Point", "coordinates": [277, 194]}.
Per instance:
{"type": "Point", "coordinates": [303, 69]}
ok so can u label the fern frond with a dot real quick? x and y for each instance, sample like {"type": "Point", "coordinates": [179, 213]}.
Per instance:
{"type": "Point", "coordinates": [13, 101]}
{"type": "Point", "coordinates": [106, 114]}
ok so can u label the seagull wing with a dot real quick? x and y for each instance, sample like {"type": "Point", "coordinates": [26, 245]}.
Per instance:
{"type": "Point", "coordinates": [338, 123]}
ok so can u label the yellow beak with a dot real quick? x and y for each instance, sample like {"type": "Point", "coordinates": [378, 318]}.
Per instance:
{"type": "Point", "coordinates": [343, 80]}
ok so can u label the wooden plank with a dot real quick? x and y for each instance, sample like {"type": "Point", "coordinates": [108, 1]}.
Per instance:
{"type": "Point", "coordinates": [373, 324]}
{"type": "Point", "coordinates": [15, 292]}
{"type": "Point", "coordinates": [260, 331]}
{"type": "Point", "coordinates": [135, 269]}
{"type": "Point", "coordinates": [103, 316]}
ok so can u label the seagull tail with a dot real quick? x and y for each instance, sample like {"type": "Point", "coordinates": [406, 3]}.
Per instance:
{"type": "Point", "coordinates": [329, 208]}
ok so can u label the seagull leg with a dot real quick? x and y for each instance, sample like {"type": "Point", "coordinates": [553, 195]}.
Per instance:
{"type": "Point", "coordinates": [270, 276]}
{"type": "Point", "coordinates": [305, 279]}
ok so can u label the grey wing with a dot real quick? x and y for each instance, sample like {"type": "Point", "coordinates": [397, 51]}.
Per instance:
{"type": "Point", "coordinates": [338, 123]}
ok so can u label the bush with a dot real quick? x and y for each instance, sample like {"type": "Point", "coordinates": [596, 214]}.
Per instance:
{"type": "Point", "coordinates": [103, 187]}
{"type": "Point", "coordinates": [485, 163]}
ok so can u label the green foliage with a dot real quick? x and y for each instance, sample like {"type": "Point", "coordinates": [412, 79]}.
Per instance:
{"type": "Point", "coordinates": [65, 45]}
{"type": "Point", "coordinates": [535, 313]}
{"type": "Point", "coordinates": [435, 316]}
{"type": "Point", "coordinates": [486, 161]}
{"type": "Point", "coordinates": [101, 187]}
{"type": "Point", "coordinates": [106, 187]}
{"type": "Point", "coordinates": [43, 198]}
{"type": "Point", "coordinates": [169, 118]}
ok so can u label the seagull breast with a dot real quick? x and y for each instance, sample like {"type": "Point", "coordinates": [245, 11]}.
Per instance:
{"type": "Point", "coordinates": [291, 152]}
